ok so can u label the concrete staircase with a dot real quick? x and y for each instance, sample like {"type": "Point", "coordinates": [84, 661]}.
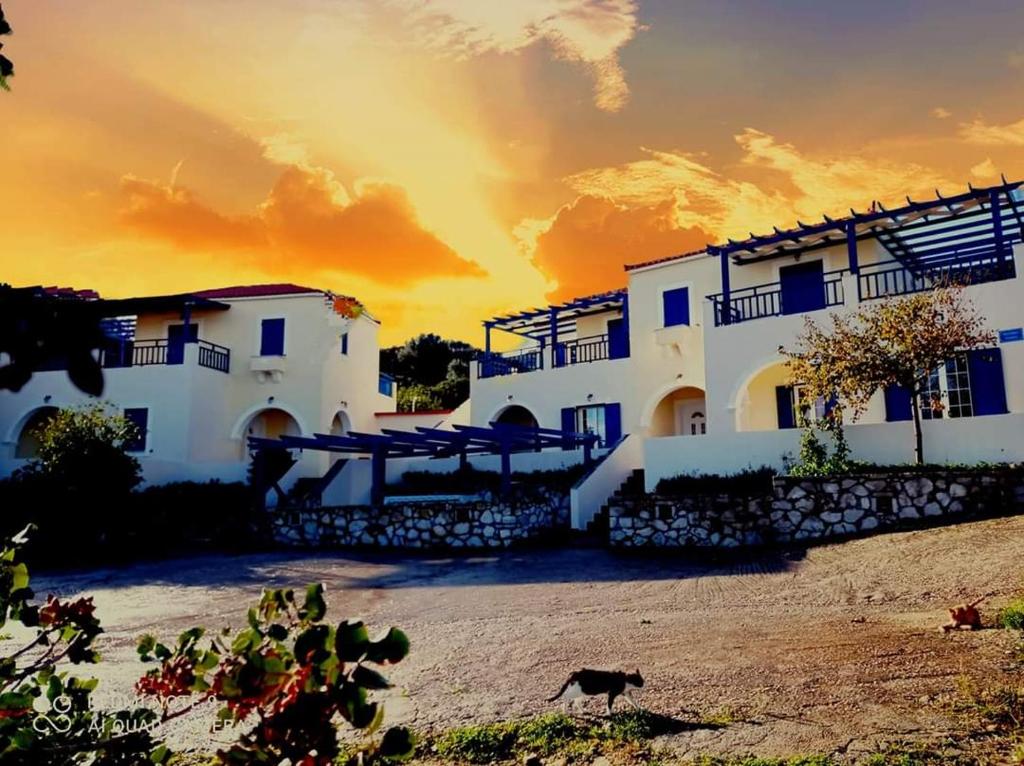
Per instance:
{"type": "Point", "coordinates": [596, 532]}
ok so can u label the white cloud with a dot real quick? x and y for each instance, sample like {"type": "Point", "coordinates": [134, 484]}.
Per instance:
{"type": "Point", "coordinates": [941, 113]}
{"type": "Point", "coordinates": [588, 32]}
{"type": "Point", "coordinates": [985, 169]}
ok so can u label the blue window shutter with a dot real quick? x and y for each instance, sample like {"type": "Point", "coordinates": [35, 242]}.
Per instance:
{"type": "Point", "coordinates": [272, 337]}
{"type": "Point", "coordinates": [784, 406]}
{"type": "Point", "coordinates": [344, 343]}
{"type": "Point", "coordinates": [618, 339]}
{"type": "Point", "coordinates": [897, 404]}
{"type": "Point", "coordinates": [568, 426]}
{"type": "Point", "coordinates": [676, 304]}
{"type": "Point", "coordinates": [139, 417]}
{"type": "Point", "coordinates": [612, 423]}
{"type": "Point", "coordinates": [988, 388]}
{"type": "Point", "coordinates": [802, 287]}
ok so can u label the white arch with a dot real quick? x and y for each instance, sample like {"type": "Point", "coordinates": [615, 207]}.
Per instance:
{"type": "Point", "coordinates": [505, 405]}
{"type": "Point", "coordinates": [19, 425]}
{"type": "Point", "coordinates": [647, 415]}
{"type": "Point", "coordinates": [346, 421]}
{"type": "Point", "coordinates": [743, 383]}
{"type": "Point", "coordinates": [238, 431]}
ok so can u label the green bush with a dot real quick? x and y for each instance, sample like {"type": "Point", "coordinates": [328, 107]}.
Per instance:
{"type": "Point", "coordinates": [753, 481]}
{"type": "Point", "coordinates": [1012, 615]}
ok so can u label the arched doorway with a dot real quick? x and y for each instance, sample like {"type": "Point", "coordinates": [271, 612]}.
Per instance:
{"type": "Point", "coordinates": [270, 423]}
{"type": "Point", "coordinates": [757, 400]}
{"type": "Point", "coordinates": [682, 412]}
{"type": "Point", "coordinates": [516, 415]}
{"type": "Point", "coordinates": [341, 424]}
{"type": "Point", "coordinates": [27, 446]}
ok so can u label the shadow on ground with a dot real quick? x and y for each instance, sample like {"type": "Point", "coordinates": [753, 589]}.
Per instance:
{"type": "Point", "coordinates": [390, 570]}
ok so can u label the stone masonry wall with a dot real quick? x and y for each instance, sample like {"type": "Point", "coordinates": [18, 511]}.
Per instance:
{"type": "Point", "coordinates": [798, 509]}
{"type": "Point", "coordinates": [483, 521]}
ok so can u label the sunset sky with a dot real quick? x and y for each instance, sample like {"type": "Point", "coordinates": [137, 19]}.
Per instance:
{"type": "Point", "coordinates": [448, 160]}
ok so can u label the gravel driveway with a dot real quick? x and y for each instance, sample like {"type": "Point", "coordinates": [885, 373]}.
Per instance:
{"type": "Point", "coordinates": [836, 648]}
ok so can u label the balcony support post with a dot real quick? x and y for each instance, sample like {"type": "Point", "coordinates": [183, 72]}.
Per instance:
{"type": "Point", "coordinates": [506, 468]}
{"type": "Point", "coordinates": [625, 327]}
{"type": "Point", "coordinates": [554, 338]}
{"type": "Point", "coordinates": [378, 472]}
{"type": "Point", "coordinates": [726, 317]}
{"type": "Point", "coordinates": [997, 228]}
{"type": "Point", "coordinates": [851, 246]}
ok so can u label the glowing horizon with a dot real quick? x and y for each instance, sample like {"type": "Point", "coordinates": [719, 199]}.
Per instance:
{"type": "Point", "coordinates": [448, 161]}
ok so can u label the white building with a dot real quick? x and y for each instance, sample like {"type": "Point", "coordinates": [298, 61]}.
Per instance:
{"type": "Point", "coordinates": [682, 370]}
{"type": "Point", "coordinates": [261, 360]}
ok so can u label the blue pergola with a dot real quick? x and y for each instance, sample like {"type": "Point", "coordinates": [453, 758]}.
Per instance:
{"type": "Point", "coordinates": [497, 439]}
{"type": "Point", "coordinates": [548, 323]}
{"type": "Point", "coordinates": [950, 235]}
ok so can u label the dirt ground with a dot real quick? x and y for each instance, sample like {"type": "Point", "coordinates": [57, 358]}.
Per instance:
{"type": "Point", "coordinates": [831, 650]}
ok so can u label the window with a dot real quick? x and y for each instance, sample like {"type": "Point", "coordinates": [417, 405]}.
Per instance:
{"type": "Point", "coordinates": [591, 420]}
{"type": "Point", "coordinates": [948, 391]}
{"type": "Point", "coordinates": [344, 344]}
{"type": "Point", "coordinates": [795, 408]}
{"type": "Point", "coordinates": [675, 305]}
{"type": "Point", "coordinates": [139, 417]}
{"type": "Point", "coordinates": [698, 424]}
{"type": "Point", "coordinates": [272, 337]}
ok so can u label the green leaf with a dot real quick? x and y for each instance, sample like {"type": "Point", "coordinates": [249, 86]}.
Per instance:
{"type": "Point", "coordinates": [397, 743]}
{"type": "Point", "coordinates": [390, 648]}
{"type": "Point", "coordinates": [369, 679]}
{"type": "Point", "coordinates": [351, 640]}
{"type": "Point", "coordinates": [314, 607]}
{"type": "Point", "coordinates": [311, 645]}
{"type": "Point", "coordinates": [161, 754]}
{"type": "Point", "coordinates": [145, 647]}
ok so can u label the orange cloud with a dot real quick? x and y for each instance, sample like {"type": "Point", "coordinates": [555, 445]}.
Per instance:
{"type": "Point", "coordinates": [587, 32]}
{"type": "Point", "coordinates": [980, 132]}
{"type": "Point", "coordinates": [308, 220]}
{"type": "Point", "coordinates": [589, 240]}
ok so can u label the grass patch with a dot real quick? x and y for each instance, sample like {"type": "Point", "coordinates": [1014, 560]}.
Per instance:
{"type": "Point", "coordinates": [550, 734]}
{"type": "Point", "coordinates": [997, 709]}
{"type": "Point", "coordinates": [1012, 615]}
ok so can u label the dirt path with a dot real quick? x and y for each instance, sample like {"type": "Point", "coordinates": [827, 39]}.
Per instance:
{"type": "Point", "coordinates": [837, 648]}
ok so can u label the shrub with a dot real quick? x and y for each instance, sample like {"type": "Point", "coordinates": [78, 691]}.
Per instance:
{"type": "Point", "coordinates": [1012, 615]}
{"type": "Point", "coordinates": [750, 482]}
{"type": "Point", "coordinates": [289, 675]}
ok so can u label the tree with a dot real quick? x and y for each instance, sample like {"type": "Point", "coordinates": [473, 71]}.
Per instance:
{"type": "Point", "coordinates": [895, 342]}
{"type": "Point", "coordinates": [6, 65]}
{"type": "Point", "coordinates": [85, 451]}
{"type": "Point", "coordinates": [432, 372]}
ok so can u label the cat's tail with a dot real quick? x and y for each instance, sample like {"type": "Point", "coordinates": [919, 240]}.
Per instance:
{"type": "Point", "coordinates": [979, 600]}
{"type": "Point", "coordinates": [560, 691]}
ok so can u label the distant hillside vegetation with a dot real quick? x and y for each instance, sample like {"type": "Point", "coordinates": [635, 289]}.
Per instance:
{"type": "Point", "coordinates": [432, 373]}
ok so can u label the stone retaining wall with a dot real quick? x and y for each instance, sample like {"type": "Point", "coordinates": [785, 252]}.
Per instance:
{"type": "Point", "coordinates": [480, 521]}
{"type": "Point", "coordinates": [799, 509]}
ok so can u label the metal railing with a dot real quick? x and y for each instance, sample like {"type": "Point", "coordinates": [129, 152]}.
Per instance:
{"type": "Point", "coordinates": [582, 350]}
{"type": "Point", "coordinates": [765, 300]}
{"type": "Point", "coordinates": [213, 356]}
{"type": "Point", "coordinates": [880, 280]}
{"type": "Point", "coordinates": [512, 363]}
{"type": "Point", "coordinates": [146, 353]}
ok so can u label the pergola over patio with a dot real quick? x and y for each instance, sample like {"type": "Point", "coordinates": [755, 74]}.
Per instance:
{"type": "Point", "coordinates": [966, 237]}
{"type": "Point", "coordinates": [498, 439]}
{"type": "Point", "coordinates": [548, 325]}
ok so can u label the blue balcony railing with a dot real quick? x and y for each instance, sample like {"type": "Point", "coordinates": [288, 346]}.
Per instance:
{"type": "Point", "coordinates": [511, 363]}
{"type": "Point", "coordinates": [582, 350]}
{"type": "Point", "coordinates": [880, 280]}
{"type": "Point", "coordinates": [127, 352]}
{"type": "Point", "coordinates": [768, 300]}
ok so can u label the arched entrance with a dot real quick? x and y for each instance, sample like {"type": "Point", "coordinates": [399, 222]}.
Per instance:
{"type": "Point", "coordinates": [681, 412]}
{"type": "Point", "coordinates": [516, 415]}
{"type": "Point", "coordinates": [27, 446]}
{"type": "Point", "coordinates": [341, 424]}
{"type": "Point", "coordinates": [270, 423]}
{"type": "Point", "coordinates": [757, 399]}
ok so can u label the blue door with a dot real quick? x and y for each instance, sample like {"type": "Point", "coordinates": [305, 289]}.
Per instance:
{"type": "Point", "coordinates": [176, 341]}
{"type": "Point", "coordinates": [618, 339]}
{"type": "Point", "coordinates": [803, 287]}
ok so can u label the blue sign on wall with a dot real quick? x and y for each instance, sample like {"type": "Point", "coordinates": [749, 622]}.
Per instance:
{"type": "Point", "coordinates": [1012, 335]}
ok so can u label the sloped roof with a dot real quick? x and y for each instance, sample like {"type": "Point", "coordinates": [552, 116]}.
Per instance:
{"type": "Point", "coordinates": [255, 291]}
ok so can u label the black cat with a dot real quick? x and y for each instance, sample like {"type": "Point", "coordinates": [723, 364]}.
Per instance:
{"type": "Point", "coordinates": [590, 683]}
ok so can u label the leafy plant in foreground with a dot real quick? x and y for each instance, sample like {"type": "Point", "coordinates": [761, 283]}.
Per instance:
{"type": "Point", "coordinates": [285, 681]}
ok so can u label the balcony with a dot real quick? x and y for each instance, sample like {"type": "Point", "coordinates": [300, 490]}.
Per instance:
{"type": "Point", "coordinates": [767, 300]}
{"type": "Point", "coordinates": [881, 280]}
{"type": "Point", "coordinates": [146, 353]}
{"type": "Point", "coordinates": [594, 348]}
